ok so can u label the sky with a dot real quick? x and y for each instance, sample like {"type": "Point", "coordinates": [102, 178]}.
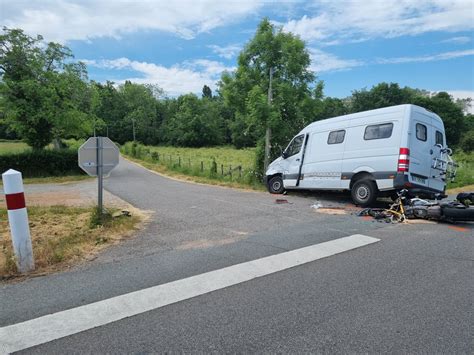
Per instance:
{"type": "Point", "coordinates": [182, 45]}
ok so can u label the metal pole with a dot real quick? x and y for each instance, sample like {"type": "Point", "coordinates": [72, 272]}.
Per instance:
{"type": "Point", "coordinates": [107, 131]}
{"type": "Point", "coordinates": [100, 156]}
{"type": "Point", "coordinates": [268, 133]}
{"type": "Point", "coordinates": [133, 125]}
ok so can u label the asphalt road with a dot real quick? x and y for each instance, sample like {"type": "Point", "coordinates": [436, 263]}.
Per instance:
{"type": "Point", "coordinates": [410, 292]}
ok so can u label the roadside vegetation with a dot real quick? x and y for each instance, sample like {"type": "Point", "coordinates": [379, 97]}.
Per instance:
{"type": "Point", "coordinates": [63, 236]}
{"type": "Point", "coordinates": [465, 171]}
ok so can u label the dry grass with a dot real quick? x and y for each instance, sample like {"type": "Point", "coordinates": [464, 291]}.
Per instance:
{"type": "Point", "coordinates": [455, 191]}
{"type": "Point", "coordinates": [63, 236]}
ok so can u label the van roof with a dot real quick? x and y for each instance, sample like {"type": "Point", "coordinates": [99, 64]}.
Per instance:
{"type": "Point", "coordinates": [383, 110]}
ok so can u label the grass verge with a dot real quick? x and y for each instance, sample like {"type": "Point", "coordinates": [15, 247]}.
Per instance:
{"type": "Point", "coordinates": [62, 236]}
{"type": "Point", "coordinates": [165, 170]}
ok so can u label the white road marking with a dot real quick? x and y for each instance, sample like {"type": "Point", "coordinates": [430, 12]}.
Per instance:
{"type": "Point", "coordinates": [61, 324]}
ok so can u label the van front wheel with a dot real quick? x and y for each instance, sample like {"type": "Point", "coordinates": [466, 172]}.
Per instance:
{"type": "Point", "coordinates": [275, 185]}
{"type": "Point", "coordinates": [364, 192]}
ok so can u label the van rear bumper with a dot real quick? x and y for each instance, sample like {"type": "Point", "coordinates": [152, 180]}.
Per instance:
{"type": "Point", "coordinates": [401, 182]}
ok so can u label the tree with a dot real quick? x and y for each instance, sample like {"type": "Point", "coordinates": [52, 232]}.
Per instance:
{"type": "Point", "coordinates": [196, 123]}
{"type": "Point", "coordinates": [206, 92]}
{"type": "Point", "coordinates": [246, 90]}
{"type": "Point", "coordinates": [381, 95]}
{"type": "Point", "coordinates": [44, 94]}
{"type": "Point", "coordinates": [452, 115]}
{"type": "Point", "coordinates": [384, 94]}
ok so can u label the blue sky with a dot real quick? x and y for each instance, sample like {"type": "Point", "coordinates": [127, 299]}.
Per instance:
{"type": "Point", "coordinates": [182, 45]}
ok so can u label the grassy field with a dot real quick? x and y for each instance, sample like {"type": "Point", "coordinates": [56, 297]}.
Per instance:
{"type": "Point", "coordinates": [218, 165]}
{"type": "Point", "coordinates": [227, 156]}
{"type": "Point", "coordinates": [62, 236]}
{"type": "Point", "coordinates": [7, 147]}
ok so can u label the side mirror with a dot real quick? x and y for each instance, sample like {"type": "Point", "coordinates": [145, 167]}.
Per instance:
{"type": "Point", "coordinates": [449, 151]}
{"type": "Point", "coordinates": [284, 155]}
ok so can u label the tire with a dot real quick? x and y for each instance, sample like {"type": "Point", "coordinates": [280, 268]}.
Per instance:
{"type": "Point", "coordinates": [465, 214]}
{"type": "Point", "coordinates": [275, 185]}
{"type": "Point", "coordinates": [364, 192]}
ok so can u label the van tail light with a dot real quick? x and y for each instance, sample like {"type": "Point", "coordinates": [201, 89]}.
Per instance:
{"type": "Point", "coordinates": [403, 160]}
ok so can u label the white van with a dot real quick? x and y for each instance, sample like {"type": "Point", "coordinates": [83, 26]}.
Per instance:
{"type": "Point", "coordinates": [370, 153]}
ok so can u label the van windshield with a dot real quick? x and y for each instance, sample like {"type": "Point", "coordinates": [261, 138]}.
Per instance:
{"type": "Point", "coordinates": [295, 146]}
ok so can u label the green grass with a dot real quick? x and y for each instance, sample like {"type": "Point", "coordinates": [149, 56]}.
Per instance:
{"type": "Point", "coordinates": [227, 156]}
{"type": "Point", "coordinates": [218, 165]}
{"type": "Point", "coordinates": [7, 147]}
{"type": "Point", "coordinates": [465, 171]}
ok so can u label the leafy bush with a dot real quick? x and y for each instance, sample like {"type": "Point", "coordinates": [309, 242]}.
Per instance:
{"type": "Point", "coordinates": [467, 141]}
{"type": "Point", "coordinates": [42, 163]}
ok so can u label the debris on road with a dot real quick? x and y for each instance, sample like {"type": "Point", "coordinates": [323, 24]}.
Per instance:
{"type": "Point", "coordinates": [121, 213]}
{"type": "Point", "coordinates": [316, 205]}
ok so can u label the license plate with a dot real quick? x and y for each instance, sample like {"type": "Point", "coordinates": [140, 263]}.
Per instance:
{"type": "Point", "coordinates": [418, 179]}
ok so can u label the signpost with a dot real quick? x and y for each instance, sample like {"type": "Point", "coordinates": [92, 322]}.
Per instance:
{"type": "Point", "coordinates": [97, 157]}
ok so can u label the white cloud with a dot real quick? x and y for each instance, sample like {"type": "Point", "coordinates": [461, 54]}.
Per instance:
{"type": "Point", "coordinates": [63, 20]}
{"type": "Point", "coordinates": [457, 40]}
{"type": "Point", "coordinates": [427, 58]}
{"type": "Point", "coordinates": [325, 62]}
{"type": "Point", "coordinates": [359, 20]}
{"type": "Point", "coordinates": [228, 52]}
{"type": "Point", "coordinates": [175, 80]}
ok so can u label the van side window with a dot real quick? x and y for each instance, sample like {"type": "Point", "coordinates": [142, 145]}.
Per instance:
{"type": "Point", "coordinates": [421, 132]}
{"type": "Point", "coordinates": [295, 146]}
{"type": "Point", "coordinates": [439, 138]}
{"type": "Point", "coordinates": [379, 131]}
{"type": "Point", "coordinates": [336, 137]}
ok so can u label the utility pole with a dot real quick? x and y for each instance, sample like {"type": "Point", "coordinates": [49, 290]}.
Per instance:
{"type": "Point", "coordinates": [268, 133]}
{"type": "Point", "coordinates": [133, 125]}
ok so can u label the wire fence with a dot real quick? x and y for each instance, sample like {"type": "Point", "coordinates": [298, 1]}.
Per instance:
{"type": "Point", "coordinates": [186, 165]}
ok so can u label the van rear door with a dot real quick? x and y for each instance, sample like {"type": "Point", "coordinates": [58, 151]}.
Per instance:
{"type": "Point", "coordinates": [438, 158]}
{"type": "Point", "coordinates": [420, 145]}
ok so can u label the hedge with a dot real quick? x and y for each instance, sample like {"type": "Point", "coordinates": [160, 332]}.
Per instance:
{"type": "Point", "coordinates": [42, 163]}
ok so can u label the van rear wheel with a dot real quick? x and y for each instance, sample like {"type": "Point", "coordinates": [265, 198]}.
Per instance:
{"type": "Point", "coordinates": [275, 185]}
{"type": "Point", "coordinates": [364, 192]}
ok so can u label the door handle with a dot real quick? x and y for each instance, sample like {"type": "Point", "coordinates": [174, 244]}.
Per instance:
{"type": "Point", "coordinates": [297, 159]}
{"type": "Point", "coordinates": [431, 151]}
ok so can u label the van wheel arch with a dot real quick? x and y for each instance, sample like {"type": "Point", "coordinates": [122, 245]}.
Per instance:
{"type": "Point", "coordinates": [360, 176]}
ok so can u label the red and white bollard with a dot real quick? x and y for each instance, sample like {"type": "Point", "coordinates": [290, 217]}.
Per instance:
{"type": "Point", "coordinates": [18, 218]}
